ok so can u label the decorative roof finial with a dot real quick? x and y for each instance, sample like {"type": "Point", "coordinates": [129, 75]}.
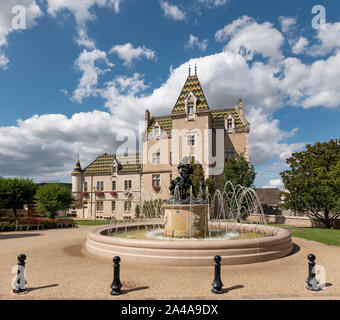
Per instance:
{"type": "Point", "coordinates": [189, 70]}
{"type": "Point", "coordinates": [195, 69]}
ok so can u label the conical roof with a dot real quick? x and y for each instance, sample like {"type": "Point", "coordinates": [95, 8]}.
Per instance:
{"type": "Point", "coordinates": [77, 168]}
{"type": "Point", "coordinates": [191, 84]}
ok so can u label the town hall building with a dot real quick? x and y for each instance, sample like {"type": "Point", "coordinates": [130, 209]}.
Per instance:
{"type": "Point", "coordinates": [114, 184]}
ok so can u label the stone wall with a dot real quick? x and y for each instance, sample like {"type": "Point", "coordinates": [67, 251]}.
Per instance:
{"type": "Point", "coordinates": [291, 221]}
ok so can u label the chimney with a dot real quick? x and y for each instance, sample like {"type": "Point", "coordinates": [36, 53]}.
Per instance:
{"type": "Point", "coordinates": [147, 117]}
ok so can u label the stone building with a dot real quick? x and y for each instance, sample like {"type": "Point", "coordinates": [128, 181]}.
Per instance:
{"type": "Point", "coordinates": [112, 185]}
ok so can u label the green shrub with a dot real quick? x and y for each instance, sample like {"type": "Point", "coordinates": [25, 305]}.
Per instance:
{"type": "Point", "coordinates": [5, 226]}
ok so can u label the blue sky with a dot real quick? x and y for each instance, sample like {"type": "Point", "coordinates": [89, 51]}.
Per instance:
{"type": "Point", "coordinates": [84, 70]}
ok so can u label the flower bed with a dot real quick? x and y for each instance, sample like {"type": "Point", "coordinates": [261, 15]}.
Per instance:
{"type": "Point", "coordinates": [10, 224]}
{"type": "Point", "coordinates": [113, 193]}
{"type": "Point", "coordinates": [100, 193]}
{"type": "Point", "coordinates": [157, 188]}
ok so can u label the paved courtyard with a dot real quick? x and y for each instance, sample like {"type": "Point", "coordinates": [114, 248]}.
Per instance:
{"type": "Point", "coordinates": [59, 267]}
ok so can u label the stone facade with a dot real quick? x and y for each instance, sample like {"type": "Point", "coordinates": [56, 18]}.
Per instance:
{"type": "Point", "coordinates": [112, 185]}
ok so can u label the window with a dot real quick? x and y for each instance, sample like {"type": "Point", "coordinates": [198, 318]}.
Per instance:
{"type": "Point", "coordinates": [190, 108]}
{"type": "Point", "coordinates": [229, 123]}
{"type": "Point", "coordinates": [100, 205]}
{"type": "Point", "coordinates": [191, 105]}
{"type": "Point", "coordinates": [229, 153]}
{"type": "Point", "coordinates": [127, 205]}
{"type": "Point", "coordinates": [114, 185]}
{"type": "Point", "coordinates": [156, 158]}
{"type": "Point", "coordinates": [191, 139]}
{"type": "Point", "coordinates": [156, 131]}
{"type": "Point", "coordinates": [156, 181]}
{"type": "Point", "coordinates": [113, 206]}
{"type": "Point", "coordinates": [85, 186]}
{"type": "Point", "coordinates": [127, 184]}
{"type": "Point", "coordinates": [100, 185]}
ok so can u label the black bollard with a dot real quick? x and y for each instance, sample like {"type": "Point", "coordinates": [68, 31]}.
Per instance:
{"type": "Point", "coordinates": [116, 284]}
{"type": "Point", "coordinates": [311, 281]}
{"type": "Point", "coordinates": [217, 283]}
{"type": "Point", "coordinates": [19, 284]}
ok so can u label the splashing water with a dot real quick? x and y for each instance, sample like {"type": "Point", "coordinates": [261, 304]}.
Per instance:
{"type": "Point", "coordinates": [232, 205]}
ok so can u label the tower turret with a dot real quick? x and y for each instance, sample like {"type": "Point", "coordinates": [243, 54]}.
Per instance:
{"type": "Point", "coordinates": [77, 177]}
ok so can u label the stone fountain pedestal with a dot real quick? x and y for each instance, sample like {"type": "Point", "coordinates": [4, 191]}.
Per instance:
{"type": "Point", "coordinates": [185, 220]}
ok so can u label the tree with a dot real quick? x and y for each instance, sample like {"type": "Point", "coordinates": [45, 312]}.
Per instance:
{"type": "Point", "coordinates": [137, 211]}
{"type": "Point", "coordinates": [312, 184]}
{"type": "Point", "coordinates": [211, 186]}
{"type": "Point", "coordinates": [15, 193]}
{"type": "Point", "coordinates": [239, 171]}
{"type": "Point", "coordinates": [196, 176]}
{"type": "Point", "coordinates": [53, 197]}
{"type": "Point", "coordinates": [152, 208]}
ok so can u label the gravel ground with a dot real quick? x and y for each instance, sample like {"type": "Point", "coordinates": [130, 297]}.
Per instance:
{"type": "Point", "coordinates": [59, 267]}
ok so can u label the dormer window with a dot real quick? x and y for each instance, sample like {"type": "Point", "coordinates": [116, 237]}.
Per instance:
{"type": "Point", "coordinates": [190, 106]}
{"type": "Point", "coordinates": [229, 123]}
{"type": "Point", "coordinates": [156, 130]}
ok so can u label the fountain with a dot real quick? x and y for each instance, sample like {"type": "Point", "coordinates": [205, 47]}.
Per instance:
{"type": "Point", "coordinates": [190, 229]}
{"type": "Point", "coordinates": [185, 216]}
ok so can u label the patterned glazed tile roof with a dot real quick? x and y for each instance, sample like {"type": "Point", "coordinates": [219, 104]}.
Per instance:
{"type": "Point", "coordinates": [219, 116]}
{"type": "Point", "coordinates": [77, 168]}
{"type": "Point", "coordinates": [165, 122]}
{"type": "Point", "coordinates": [192, 84]}
{"type": "Point", "coordinates": [103, 164]}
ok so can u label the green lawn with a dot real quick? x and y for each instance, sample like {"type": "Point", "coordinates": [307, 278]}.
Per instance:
{"type": "Point", "coordinates": [91, 222]}
{"type": "Point", "coordinates": [326, 236]}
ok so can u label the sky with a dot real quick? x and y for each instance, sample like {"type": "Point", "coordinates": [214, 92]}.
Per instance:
{"type": "Point", "coordinates": [75, 75]}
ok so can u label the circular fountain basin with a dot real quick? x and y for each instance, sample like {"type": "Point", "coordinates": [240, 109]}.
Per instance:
{"type": "Point", "coordinates": [275, 243]}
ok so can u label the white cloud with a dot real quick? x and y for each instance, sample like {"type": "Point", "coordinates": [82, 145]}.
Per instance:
{"type": "Point", "coordinates": [246, 36]}
{"type": "Point", "coordinates": [81, 9]}
{"type": "Point", "coordinates": [287, 23]}
{"type": "Point", "coordinates": [328, 40]}
{"type": "Point", "coordinates": [3, 61]}
{"type": "Point", "coordinates": [274, 183]}
{"type": "Point", "coordinates": [194, 42]}
{"type": "Point", "coordinates": [45, 146]}
{"type": "Point", "coordinates": [213, 3]}
{"type": "Point", "coordinates": [266, 138]}
{"type": "Point", "coordinates": [263, 86]}
{"type": "Point", "coordinates": [87, 63]}
{"type": "Point", "coordinates": [255, 84]}
{"type": "Point", "coordinates": [64, 91]}
{"type": "Point", "coordinates": [312, 85]}
{"type": "Point", "coordinates": [83, 40]}
{"type": "Point", "coordinates": [300, 45]}
{"type": "Point", "coordinates": [33, 12]}
{"type": "Point", "coordinates": [128, 53]}
{"type": "Point", "coordinates": [172, 11]}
